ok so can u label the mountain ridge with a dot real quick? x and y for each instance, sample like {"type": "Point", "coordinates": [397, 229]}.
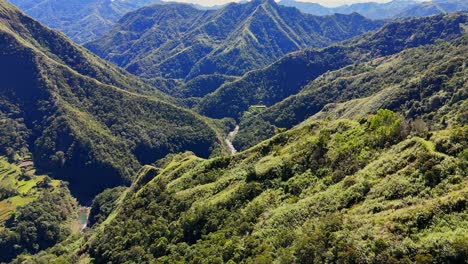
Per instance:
{"type": "Point", "coordinates": [390, 10]}
{"type": "Point", "coordinates": [82, 120]}
{"type": "Point", "coordinates": [82, 21]}
{"type": "Point", "coordinates": [327, 101]}
{"type": "Point", "coordinates": [289, 74]}
{"type": "Point", "coordinates": [241, 31]}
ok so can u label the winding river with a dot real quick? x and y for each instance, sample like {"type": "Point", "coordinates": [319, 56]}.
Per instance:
{"type": "Point", "coordinates": [229, 139]}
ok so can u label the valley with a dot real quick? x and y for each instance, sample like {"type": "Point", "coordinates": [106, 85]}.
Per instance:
{"type": "Point", "coordinates": [262, 131]}
{"type": "Point", "coordinates": [230, 138]}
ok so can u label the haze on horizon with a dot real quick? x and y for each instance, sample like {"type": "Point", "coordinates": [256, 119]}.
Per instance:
{"type": "Point", "coordinates": [329, 3]}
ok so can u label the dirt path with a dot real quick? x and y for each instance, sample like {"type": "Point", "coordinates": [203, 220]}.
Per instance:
{"type": "Point", "coordinates": [229, 139]}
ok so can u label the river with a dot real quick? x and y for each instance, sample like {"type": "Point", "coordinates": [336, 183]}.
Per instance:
{"type": "Point", "coordinates": [83, 215]}
{"type": "Point", "coordinates": [229, 139]}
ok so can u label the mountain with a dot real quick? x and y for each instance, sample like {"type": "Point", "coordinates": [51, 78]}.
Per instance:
{"type": "Point", "coordinates": [288, 75]}
{"type": "Point", "coordinates": [82, 21]}
{"type": "Point", "coordinates": [308, 8]}
{"type": "Point", "coordinates": [179, 41]}
{"type": "Point", "coordinates": [376, 188]}
{"type": "Point", "coordinates": [392, 9]}
{"type": "Point", "coordinates": [341, 191]}
{"type": "Point", "coordinates": [84, 120]}
{"type": "Point", "coordinates": [423, 83]}
{"type": "Point", "coordinates": [351, 153]}
{"type": "Point", "coordinates": [435, 7]}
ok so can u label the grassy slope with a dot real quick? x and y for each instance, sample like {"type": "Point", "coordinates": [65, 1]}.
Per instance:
{"type": "Point", "coordinates": [416, 82]}
{"type": "Point", "coordinates": [328, 191]}
{"type": "Point", "coordinates": [24, 189]}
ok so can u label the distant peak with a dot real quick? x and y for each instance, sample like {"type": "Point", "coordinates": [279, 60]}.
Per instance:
{"type": "Point", "coordinates": [260, 2]}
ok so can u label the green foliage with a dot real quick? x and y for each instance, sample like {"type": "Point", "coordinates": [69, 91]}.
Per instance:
{"type": "Point", "coordinates": [385, 126]}
{"type": "Point", "coordinates": [38, 225]}
{"type": "Point", "coordinates": [35, 211]}
{"type": "Point", "coordinates": [76, 115]}
{"type": "Point", "coordinates": [103, 204]}
{"type": "Point", "coordinates": [424, 83]}
{"type": "Point", "coordinates": [13, 137]}
{"type": "Point", "coordinates": [198, 87]}
{"type": "Point", "coordinates": [340, 191]}
{"type": "Point", "coordinates": [289, 75]}
{"type": "Point", "coordinates": [389, 187]}
{"type": "Point", "coordinates": [181, 42]}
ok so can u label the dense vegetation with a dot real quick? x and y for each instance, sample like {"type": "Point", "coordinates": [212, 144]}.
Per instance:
{"type": "Point", "coordinates": [353, 153]}
{"type": "Point", "coordinates": [82, 21]}
{"type": "Point", "coordinates": [427, 82]}
{"type": "Point", "coordinates": [179, 41]}
{"type": "Point", "coordinates": [336, 191]}
{"type": "Point", "coordinates": [288, 75]}
{"type": "Point", "coordinates": [391, 9]}
{"type": "Point", "coordinates": [103, 205]}
{"type": "Point", "coordinates": [35, 211]}
{"type": "Point", "coordinates": [69, 108]}
{"type": "Point", "coordinates": [38, 225]}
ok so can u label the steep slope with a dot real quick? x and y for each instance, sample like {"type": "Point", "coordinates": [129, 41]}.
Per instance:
{"type": "Point", "coordinates": [69, 110]}
{"type": "Point", "coordinates": [198, 87]}
{"type": "Point", "coordinates": [80, 20]}
{"type": "Point", "coordinates": [179, 41]}
{"type": "Point", "coordinates": [288, 75]}
{"type": "Point", "coordinates": [328, 192]}
{"type": "Point", "coordinates": [426, 82]}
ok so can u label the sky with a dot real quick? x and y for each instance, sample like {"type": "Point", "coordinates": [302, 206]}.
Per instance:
{"type": "Point", "coordinates": [322, 2]}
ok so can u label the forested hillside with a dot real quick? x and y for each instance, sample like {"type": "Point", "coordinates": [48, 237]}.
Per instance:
{"type": "Point", "coordinates": [80, 20]}
{"type": "Point", "coordinates": [288, 75]}
{"type": "Point", "coordinates": [179, 41]}
{"type": "Point", "coordinates": [366, 191]}
{"type": "Point", "coordinates": [254, 133]}
{"type": "Point", "coordinates": [36, 212]}
{"type": "Point", "coordinates": [68, 108]}
{"type": "Point", "coordinates": [426, 82]}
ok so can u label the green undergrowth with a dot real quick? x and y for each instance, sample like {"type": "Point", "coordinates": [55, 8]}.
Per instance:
{"type": "Point", "coordinates": [36, 212]}
{"type": "Point", "coordinates": [348, 191]}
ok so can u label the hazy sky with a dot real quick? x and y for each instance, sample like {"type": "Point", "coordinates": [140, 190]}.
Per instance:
{"type": "Point", "coordinates": [322, 2]}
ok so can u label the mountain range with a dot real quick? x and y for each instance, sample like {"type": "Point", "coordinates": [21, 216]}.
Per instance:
{"type": "Point", "coordinates": [392, 9]}
{"type": "Point", "coordinates": [181, 42]}
{"type": "Point", "coordinates": [296, 108]}
{"type": "Point", "coordinates": [288, 75]}
{"type": "Point", "coordinates": [82, 21]}
{"type": "Point", "coordinates": [83, 119]}
{"type": "Point", "coordinates": [302, 194]}
{"type": "Point", "coordinates": [254, 133]}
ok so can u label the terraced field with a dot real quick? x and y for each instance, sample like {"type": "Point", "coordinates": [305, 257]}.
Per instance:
{"type": "Point", "coordinates": [19, 185]}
